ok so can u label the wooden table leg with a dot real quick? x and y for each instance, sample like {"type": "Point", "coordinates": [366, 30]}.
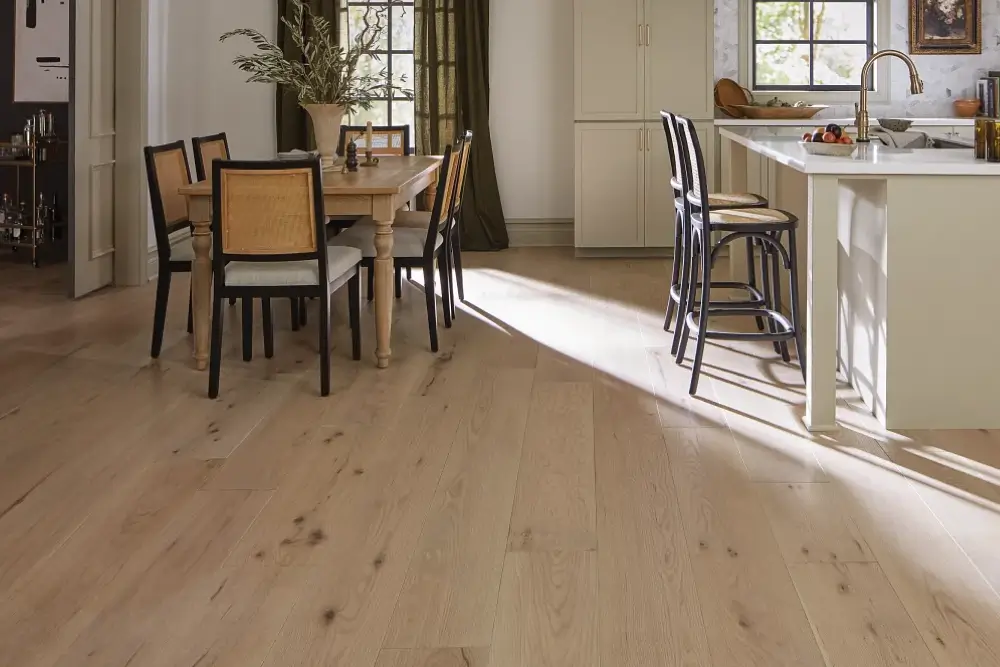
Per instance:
{"type": "Point", "coordinates": [201, 291]}
{"type": "Point", "coordinates": [383, 211]}
{"type": "Point", "coordinates": [430, 194]}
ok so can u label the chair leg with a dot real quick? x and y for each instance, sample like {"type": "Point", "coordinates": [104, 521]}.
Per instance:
{"type": "Point", "coordinates": [781, 347]}
{"type": "Point", "coordinates": [215, 353]}
{"type": "Point", "coordinates": [324, 346]}
{"type": "Point", "coordinates": [800, 347]}
{"type": "Point", "coordinates": [190, 322]}
{"type": "Point", "coordinates": [232, 301]}
{"type": "Point", "coordinates": [687, 296]}
{"type": "Point", "coordinates": [457, 249]}
{"type": "Point", "coordinates": [768, 288]}
{"type": "Point", "coordinates": [399, 282]}
{"type": "Point", "coordinates": [706, 296]}
{"type": "Point", "coordinates": [247, 329]}
{"type": "Point", "coordinates": [446, 297]}
{"type": "Point", "coordinates": [303, 312]}
{"type": "Point", "coordinates": [675, 270]}
{"type": "Point", "coordinates": [160, 312]}
{"type": "Point", "coordinates": [409, 276]}
{"type": "Point", "coordinates": [294, 311]}
{"type": "Point", "coordinates": [268, 328]}
{"type": "Point", "coordinates": [752, 271]}
{"type": "Point", "coordinates": [431, 306]}
{"type": "Point", "coordinates": [354, 297]}
{"type": "Point", "coordinates": [371, 282]}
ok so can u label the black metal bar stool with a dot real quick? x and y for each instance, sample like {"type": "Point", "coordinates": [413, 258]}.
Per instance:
{"type": "Point", "coordinates": [682, 234]}
{"type": "Point", "coordinates": [762, 225]}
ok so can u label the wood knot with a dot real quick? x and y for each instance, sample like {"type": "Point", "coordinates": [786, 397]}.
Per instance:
{"type": "Point", "coordinates": [316, 536]}
{"type": "Point", "coordinates": [359, 471]}
{"type": "Point", "coordinates": [379, 561]}
{"type": "Point", "coordinates": [844, 588]}
{"type": "Point", "coordinates": [299, 519]}
{"type": "Point", "coordinates": [733, 553]}
{"type": "Point", "coordinates": [328, 615]}
{"type": "Point", "coordinates": [259, 555]}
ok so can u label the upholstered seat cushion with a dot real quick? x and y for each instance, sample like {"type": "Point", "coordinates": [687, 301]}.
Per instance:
{"type": "Point", "coordinates": [410, 219]}
{"type": "Point", "coordinates": [407, 242]}
{"type": "Point", "coordinates": [729, 200]}
{"type": "Point", "coordinates": [750, 216]}
{"type": "Point", "coordinates": [340, 261]}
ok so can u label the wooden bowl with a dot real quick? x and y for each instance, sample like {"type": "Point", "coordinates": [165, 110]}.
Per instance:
{"type": "Point", "coordinates": [729, 96]}
{"type": "Point", "coordinates": [966, 108]}
{"type": "Point", "coordinates": [781, 113]}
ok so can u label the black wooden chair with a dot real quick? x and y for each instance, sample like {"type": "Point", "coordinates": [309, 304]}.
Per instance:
{"type": "Point", "coordinates": [419, 248]}
{"type": "Point", "coordinates": [762, 225]}
{"type": "Point", "coordinates": [167, 170]}
{"type": "Point", "coordinates": [269, 236]}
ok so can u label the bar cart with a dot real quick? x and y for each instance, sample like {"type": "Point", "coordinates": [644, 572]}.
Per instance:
{"type": "Point", "coordinates": [30, 223]}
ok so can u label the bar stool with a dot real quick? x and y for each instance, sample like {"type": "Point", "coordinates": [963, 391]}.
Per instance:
{"type": "Point", "coordinates": [762, 225]}
{"type": "Point", "coordinates": [682, 234]}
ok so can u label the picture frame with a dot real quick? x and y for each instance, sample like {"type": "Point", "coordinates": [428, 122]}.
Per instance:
{"type": "Point", "coordinates": [946, 27]}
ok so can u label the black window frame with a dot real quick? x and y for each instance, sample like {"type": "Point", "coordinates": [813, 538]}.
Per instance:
{"type": "Point", "coordinates": [871, 44]}
{"type": "Point", "coordinates": [389, 51]}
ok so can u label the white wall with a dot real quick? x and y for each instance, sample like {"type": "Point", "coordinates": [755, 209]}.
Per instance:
{"type": "Point", "coordinates": [531, 106]}
{"type": "Point", "coordinates": [194, 89]}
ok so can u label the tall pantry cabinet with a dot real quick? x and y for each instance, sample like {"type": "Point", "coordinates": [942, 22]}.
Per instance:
{"type": "Point", "coordinates": [632, 59]}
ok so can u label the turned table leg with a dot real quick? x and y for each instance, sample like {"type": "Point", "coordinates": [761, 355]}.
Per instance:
{"type": "Point", "coordinates": [383, 213]}
{"type": "Point", "coordinates": [201, 291]}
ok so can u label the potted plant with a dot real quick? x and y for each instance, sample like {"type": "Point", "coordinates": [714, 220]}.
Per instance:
{"type": "Point", "coordinates": [326, 80]}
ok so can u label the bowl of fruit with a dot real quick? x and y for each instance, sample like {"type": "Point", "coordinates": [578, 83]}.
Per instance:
{"type": "Point", "coordinates": [831, 141]}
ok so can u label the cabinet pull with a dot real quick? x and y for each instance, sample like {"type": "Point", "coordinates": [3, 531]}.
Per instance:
{"type": "Point", "coordinates": [640, 34]}
{"type": "Point", "coordinates": [647, 34]}
{"type": "Point", "coordinates": [640, 141]}
{"type": "Point", "coordinates": [647, 140]}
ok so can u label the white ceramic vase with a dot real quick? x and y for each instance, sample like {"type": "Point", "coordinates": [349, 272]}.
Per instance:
{"type": "Point", "coordinates": [326, 121]}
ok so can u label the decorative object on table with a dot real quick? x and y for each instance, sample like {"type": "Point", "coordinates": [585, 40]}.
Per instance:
{"type": "Point", "coordinates": [729, 96]}
{"type": "Point", "coordinates": [980, 143]}
{"type": "Point", "coordinates": [351, 161]}
{"type": "Point", "coordinates": [327, 80]}
{"type": "Point", "coordinates": [830, 141]}
{"type": "Point", "coordinates": [895, 124]}
{"type": "Point", "coordinates": [797, 111]}
{"type": "Point", "coordinates": [966, 108]}
{"type": "Point", "coordinates": [369, 161]}
{"type": "Point", "coordinates": [993, 140]}
{"type": "Point", "coordinates": [41, 51]}
{"type": "Point", "coordinates": [946, 27]}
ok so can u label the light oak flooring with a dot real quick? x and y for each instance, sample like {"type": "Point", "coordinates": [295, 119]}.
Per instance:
{"type": "Point", "coordinates": [542, 492]}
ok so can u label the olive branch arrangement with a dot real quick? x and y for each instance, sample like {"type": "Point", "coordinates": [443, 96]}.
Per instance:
{"type": "Point", "coordinates": [327, 73]}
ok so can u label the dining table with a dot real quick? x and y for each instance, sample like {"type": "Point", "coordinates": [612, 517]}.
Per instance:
{"type": "Point", "coordinates": [378, 191]}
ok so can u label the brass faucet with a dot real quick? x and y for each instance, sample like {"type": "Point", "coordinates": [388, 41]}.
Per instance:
{"type": "Point", "coordinates": [916, 87]}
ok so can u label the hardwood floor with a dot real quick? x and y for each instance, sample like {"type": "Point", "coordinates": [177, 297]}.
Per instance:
{"type": "Point", "coordinates": [541, 493]}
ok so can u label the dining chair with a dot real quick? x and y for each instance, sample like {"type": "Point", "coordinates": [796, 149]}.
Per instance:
{"type": "Point", "coordinates": [763, 225]}
{"type": "Point", "coordinates": [269, 235]}
{"type": "Point", "coordinates": [167, 170]}
{"type": "Point", "coordinates": [419, 248]}
{"type": "Point", "coordinates": [213, 147]}
{"type": "Point", "coordinates": [386, 139]}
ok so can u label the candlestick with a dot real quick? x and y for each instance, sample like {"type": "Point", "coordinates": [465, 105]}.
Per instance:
{"type": "Point", "coordinates": [368, 135]}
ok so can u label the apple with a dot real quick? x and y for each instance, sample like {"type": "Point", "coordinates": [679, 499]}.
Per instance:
{"type": "Point", "coordinates": [807, 136]}
{"type": "Point", "coordinates": [829, 138]}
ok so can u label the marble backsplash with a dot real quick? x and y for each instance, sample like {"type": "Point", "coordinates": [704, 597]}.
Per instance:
{"type": "Point", "coordinates": [946, 78]}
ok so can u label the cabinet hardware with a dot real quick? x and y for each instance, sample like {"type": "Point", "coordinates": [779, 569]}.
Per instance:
{"type": "Point", "coordinates": [647, 140]}
{"type": "Point", "coordinates": [640, 34]}
{"type": "Point", "coordinates": [647, 34]}
{"type": "Point", "coordinates": [640, 141]}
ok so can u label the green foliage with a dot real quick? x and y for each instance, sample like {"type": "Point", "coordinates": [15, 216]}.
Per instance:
{"type": "Point", "coordinates": [327, 73]}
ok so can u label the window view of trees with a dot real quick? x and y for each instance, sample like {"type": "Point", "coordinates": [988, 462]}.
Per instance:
{"type": "Point", "coordinates": [394, 57]}
{"type": "Point", "coordinates": [810, 45]}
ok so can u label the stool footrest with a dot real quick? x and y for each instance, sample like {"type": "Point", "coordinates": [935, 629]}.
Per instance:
{"type": "Point", "coordinates": [785, 332]}
{"type": "Point", "coordinates": [756, 297]}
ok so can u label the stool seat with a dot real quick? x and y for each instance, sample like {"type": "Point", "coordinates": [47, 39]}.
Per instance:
{"type": "Point", "coordinates": [738, 219]}
{"type": "Point", "coordinates": [727, 200]}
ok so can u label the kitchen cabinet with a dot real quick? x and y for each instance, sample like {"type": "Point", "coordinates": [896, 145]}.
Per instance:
{"type": "Point", "coordinates": [623, 194]}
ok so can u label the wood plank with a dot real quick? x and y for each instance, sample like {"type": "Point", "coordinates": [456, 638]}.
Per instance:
{"type": "Point", "coordinates": [554, 507]}
{"type": "Point", "coordinates": [434, 657]}
{"type": "Point", "coordinates": [650, 614]}
{"type": "Point", "coordinates": [449, 595]}
{"type": "Point", "coordinates": [752, 613]}
{"type": "Point", "coordinates": [810, 524]}
{"type": "Point", "coordinates": [857, 616]}
{"type": "Point", "coordinates": [547, 611]}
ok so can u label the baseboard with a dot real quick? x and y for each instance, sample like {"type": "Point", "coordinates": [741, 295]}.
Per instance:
{"type": "Point", "coordinates": [152, 265]}
{"type": "Point", "coordinates": [625, 253]}
{"type": "Point", "coordinates": [526, 233]}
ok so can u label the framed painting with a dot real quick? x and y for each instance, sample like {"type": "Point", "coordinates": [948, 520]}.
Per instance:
{"type": "Point", "coordinates": [946, 27]}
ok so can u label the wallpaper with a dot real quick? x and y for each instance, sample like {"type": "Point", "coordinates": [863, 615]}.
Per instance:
{"type": "Point", "coordinates": [945, 77]}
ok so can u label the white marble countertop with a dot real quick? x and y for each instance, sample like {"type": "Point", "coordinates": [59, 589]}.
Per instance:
{"type": "Point", "coordinates": [811, 122]}
{"type": "Point", "coordinates": [870, 159]}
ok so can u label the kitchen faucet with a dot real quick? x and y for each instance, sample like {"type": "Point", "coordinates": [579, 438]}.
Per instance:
{"type": "Point", "coordinates": [861, 110]}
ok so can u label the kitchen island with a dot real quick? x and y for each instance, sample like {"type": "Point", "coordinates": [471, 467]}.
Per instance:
{"type": "Point", "coordinates": [894, 274]}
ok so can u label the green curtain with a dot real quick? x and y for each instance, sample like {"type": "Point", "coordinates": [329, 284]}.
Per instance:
{"type": "Point", "coordinates": [291, 121]}
{"type": "Point", "coordinates": [451, 50]}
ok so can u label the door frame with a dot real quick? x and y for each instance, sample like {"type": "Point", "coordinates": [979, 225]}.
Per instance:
{"type": "Point", "coordinates": [131, 120]}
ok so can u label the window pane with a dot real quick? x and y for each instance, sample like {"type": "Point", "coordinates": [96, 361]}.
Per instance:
{"type": "Point", "coordinates": [840, 20]}
{"type": "Point", "coordinates": [402, 114]}
{"type": "Point", "coordinates": [356, 20]}
{"type": "Point", "coordinates": [839, 64]}
{"type": "Point", "coordinates": [402, 71]}
{"type": "Point", "coordinates": [783, 64]}
{"type": "Point", "coordinates": [402, 28]}
{"type": "Point", "coordinates": [378, 115]}
{"type": "Point", "coordinates": [782, 20]}
{"type": "Point", "coordinates": [374, 65]}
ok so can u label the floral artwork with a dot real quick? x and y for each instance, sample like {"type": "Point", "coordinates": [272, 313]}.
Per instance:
{"type": "Point", "coordinates": [945, 27]}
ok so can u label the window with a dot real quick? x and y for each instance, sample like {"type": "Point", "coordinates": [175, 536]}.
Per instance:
{"type": "Point", "coordinates": [394, 54]}
{"type": "Point", "coordinates": [808, 45]}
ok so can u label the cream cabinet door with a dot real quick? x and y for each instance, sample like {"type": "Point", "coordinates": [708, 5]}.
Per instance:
{"type": "Point", "coordinates": [680, 65]}
{"type": "Point", "coordinates": [610, 161]}
{"type": "Point", "coordinates": [609, 59]}
{"type": "Point", "coordinates": [659, 199]}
